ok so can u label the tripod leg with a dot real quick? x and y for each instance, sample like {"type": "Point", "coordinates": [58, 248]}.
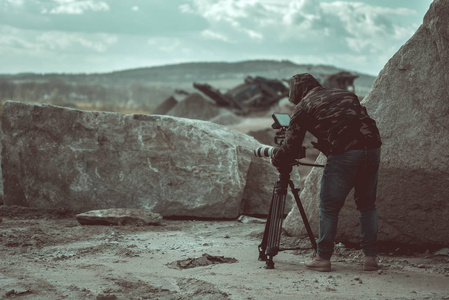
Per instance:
{"type": "Point", "coordinates": [263, 245]}
{"type": "Point", "coordinates": [303, 215]}
{"type": "Point", "coordinates": [275, 223]}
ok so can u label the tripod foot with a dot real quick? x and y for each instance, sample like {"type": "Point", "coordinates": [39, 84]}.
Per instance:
{"type": "Point", "coordinates": [269, 264]}
{"type": "Point", "coordinates": [262, 255]}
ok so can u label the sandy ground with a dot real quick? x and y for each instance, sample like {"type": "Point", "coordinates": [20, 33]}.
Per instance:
{"type": "Point", "coordinates": [49, 255]}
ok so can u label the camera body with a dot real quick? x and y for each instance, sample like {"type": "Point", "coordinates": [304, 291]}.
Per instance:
{"type": "Point", "coordinates": [281, 122]}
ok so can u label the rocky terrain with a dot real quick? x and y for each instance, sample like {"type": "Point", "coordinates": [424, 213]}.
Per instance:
{"type": "Point", "coordinates": [47, 254]}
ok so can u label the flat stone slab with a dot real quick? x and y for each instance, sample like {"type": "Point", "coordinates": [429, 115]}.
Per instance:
{"type": "Point", "coordinates": [119, 216]}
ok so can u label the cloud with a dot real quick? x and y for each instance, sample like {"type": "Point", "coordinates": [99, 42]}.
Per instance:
{"type": "Point", "coordinates": [228, 19]}
{"type": "Point", "coordinates": [296, 19]}
{"type": "Point", "coordinates": [12, 39]}
{"type": "Point", "coordinates": [15, 2]}
{"type": "Point", "coordinates": [138, 17]}
{"type": "Point", "coordinates": [369, 29]}
{"type": "Point", "coordinates": [165, 44]}
{"type": "Point", "coordinates": [210, 34]}
{"type": "Point", "coordinates": [65, 41]}
{"type": "Point", "coordinates": [26, 41]}
{"type": "Point", "coordinates": [74, 7]}
{"type": "Point", "coordinates": [334, 29]}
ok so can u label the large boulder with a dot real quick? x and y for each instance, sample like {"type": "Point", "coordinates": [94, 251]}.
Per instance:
{"type": "Point", "coordinates": [410, 102]}
{"type": "Point", "coordinates": [56, 157]}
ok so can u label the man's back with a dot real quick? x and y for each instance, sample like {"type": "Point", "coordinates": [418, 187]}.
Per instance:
{"type": "Point", "coordinates": [336, 118]}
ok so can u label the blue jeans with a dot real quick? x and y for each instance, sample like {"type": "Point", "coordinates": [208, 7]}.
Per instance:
{"type": "Point", "coordinates": [356, 169]}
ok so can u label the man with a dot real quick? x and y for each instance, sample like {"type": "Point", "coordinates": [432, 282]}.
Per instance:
{"type": "Point", "coordinates": [351, 141]}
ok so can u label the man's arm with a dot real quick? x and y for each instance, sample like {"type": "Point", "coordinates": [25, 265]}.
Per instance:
{"type": "Point", "coordinates": [291, 148]}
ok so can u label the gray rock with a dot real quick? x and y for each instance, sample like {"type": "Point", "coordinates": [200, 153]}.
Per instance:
{"type": "Point", "coordinates": [263, 135]}
{"type": "Point", "coordinates": [1, 178]}
{"type": "Point", "coordinates": [195, 106]}
{"type": "Point", "coordinates": [56, 157]}
{"type": "Point", "coordinates": [165, 106]}
{"type": "Point", "coordinates": [251, 220]}
{"type": "Point", "coordinates": [226, 117]}
{"type": "Point", "coordinates": [119, 216]}
{"type": "Point", "coordinates": [409, 101]}
{"type": "Point", "coordinates": [442, 252]}
{"type": "Point", "coordinates": [263, 177]}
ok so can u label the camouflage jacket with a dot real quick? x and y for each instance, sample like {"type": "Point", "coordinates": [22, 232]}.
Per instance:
{"type": "Point", "coordinates": [335, 117]}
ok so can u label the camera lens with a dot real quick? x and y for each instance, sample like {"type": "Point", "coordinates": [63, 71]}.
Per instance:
{"type": "Point", "coordinates": [263, 151]}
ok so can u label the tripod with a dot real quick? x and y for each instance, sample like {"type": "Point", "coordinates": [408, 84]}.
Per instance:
{"type": "Point", "coordinates": [272, 234]}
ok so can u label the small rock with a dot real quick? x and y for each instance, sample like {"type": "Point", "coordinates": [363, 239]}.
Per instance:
{"type": "Point", "coordinates": [17, 292]}
{"type": "Point", "coordinates": [444, 251]}
{"type": "Point", "coordinates": [119, 216]}
{"type": "Point", "coordinates": [422, 266]}
{"type": "Point", "coordinates": [106, 297]}
{"type": "Point", "coordinates": [250, 220]}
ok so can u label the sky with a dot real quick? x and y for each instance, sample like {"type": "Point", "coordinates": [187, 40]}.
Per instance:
{"type": "Point", "coordinates": [98, 36]}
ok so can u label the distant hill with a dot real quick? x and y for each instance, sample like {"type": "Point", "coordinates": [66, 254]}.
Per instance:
{"type": "Point", "coordinates": [147, 87]}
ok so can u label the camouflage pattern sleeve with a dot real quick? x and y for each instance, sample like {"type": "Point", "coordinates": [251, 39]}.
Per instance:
{"type": "Point", "coordinates": [291, 148]}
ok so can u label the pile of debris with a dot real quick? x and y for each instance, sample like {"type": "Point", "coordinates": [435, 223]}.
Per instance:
{"type": "Point", "coordinates": [341, 80]}
{"type": "Point", "coordinates": [255, 94]}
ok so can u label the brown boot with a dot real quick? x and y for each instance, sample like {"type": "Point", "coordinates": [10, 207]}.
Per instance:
{"type": "Point", "coordinates": [370, 263]}
{"type": "Point", "coordinates": [319, 264]}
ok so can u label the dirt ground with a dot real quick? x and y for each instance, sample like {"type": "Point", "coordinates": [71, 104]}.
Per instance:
{"type": "Point", "coordinates": [49, 255]}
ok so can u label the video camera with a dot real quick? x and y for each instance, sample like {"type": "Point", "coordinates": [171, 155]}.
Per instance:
{"type": "Point", "coordinates": [281, 122]}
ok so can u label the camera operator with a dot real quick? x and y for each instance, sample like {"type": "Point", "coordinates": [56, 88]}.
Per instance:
{"type": "Point", "coordinates": [351, 141]}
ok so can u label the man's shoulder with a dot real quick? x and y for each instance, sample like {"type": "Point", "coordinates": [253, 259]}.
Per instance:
{"type": "Point", "coordinates": [323, 96]}
{"type": "Point", "coordinates": [333, 91]}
